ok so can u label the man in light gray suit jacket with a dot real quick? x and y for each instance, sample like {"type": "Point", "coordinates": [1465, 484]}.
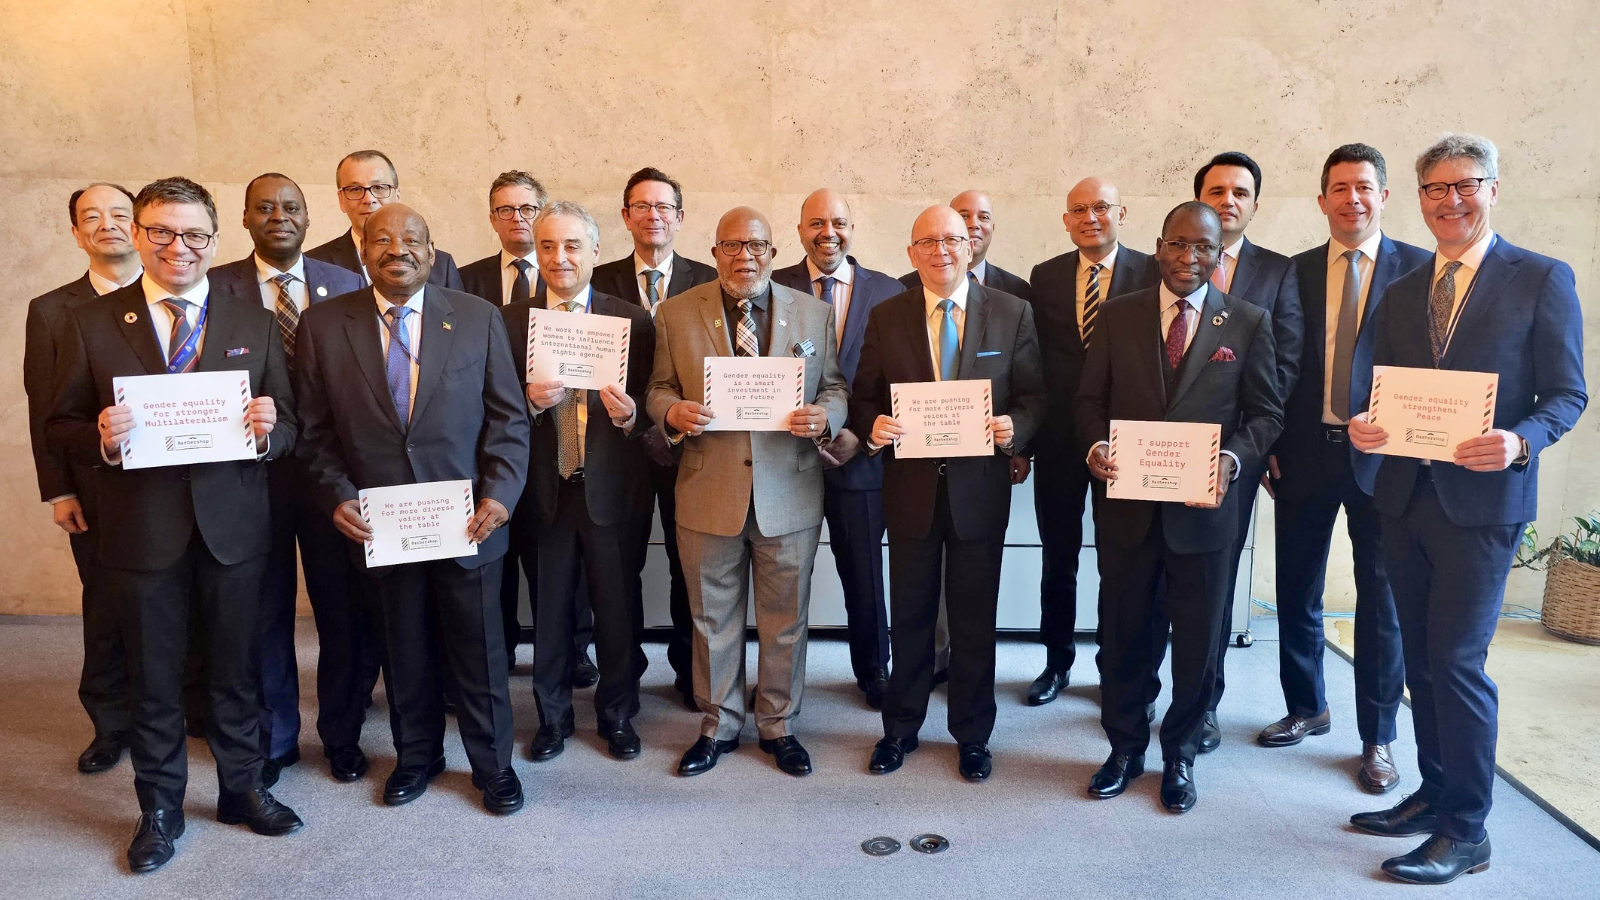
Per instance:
{"type": "Point", "coordinates": [749, 502]}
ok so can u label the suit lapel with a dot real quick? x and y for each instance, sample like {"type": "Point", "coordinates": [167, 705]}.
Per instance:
{"type": "Point", "coordinates": [779, 314]}
{"type": "Point", "coordinates": [361, 328]}
{"type": "Point", "coordinates": [1207, 337]}
{"type": "Point", "coordinates": [352, 257]}
{"type": "Point", "coordinates": [680, 281]}
{"type": "Point", "coordinates": [133, 315]}
{"type": "Point", "coordinates": [915, 325]}
{"type": "Point", "coordinates": [972, 329]}
{"type": "Point", "coordinates": [438, 338]}
{"type": "Point", "coordinates": [1384, 270]}
{"type": "Point", "coordinates": [1497, 272]}
{"type": "Point", "coordinates": [855, 318]}
{"type": "Point", "coordinates": [1151, 350]}
{"type": "Point", "coordinates": [1246, 270]}
{"type": "Point", "coordinates": [714, 318]}
{"type": "Point", "coordinates": [221, 320]}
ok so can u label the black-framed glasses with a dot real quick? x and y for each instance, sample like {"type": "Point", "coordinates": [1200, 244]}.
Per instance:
{"type": "Point", "coordinates": [731, 249]}
{"type": "Point", "coordinates": [194, 240]}
{"type": "Point", "coordinates": [357, 191]}
{"type": "Point", "coordinates": [1466, 187]}
{"type": "Point", "coordinates": [507, 213]}
{"type": "Point", "coordinates": [641, 208]}
{"type": "Point", "coordinates": [1201, 249]}
{"type": "Point", "coordinates": [952, 243]}
{"type": "Point", "coordinates": [1100, 210]}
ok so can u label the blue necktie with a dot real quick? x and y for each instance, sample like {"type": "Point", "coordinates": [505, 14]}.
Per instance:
{"type": "Point", "coordinates": [828, 281]}
{"type": "Point", "coordinates": [949, 341]}
{"type": "Point", "coordinates": [397, 367]}
{"type": "Point", "coordinates": [972, 276]}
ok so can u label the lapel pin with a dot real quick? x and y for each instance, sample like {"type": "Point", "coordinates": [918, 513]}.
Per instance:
{"type": "Point", "coordinates": [783, 323]}
{"type": "Point", "coordinates": [715, 323]}
{"type": "Point", "coordinates": [1216, 319]}
{"type": "Point", "coordinates": [322, 290]}
{"type": "Point", "coordinates": [131, 318]}
{"type": "Point", "coordinates": [446, 325]}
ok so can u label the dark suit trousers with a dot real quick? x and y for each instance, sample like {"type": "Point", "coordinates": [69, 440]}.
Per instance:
{"type": "Point", "coordinates": [1196, 600]}
{"type": "Point", "coordinates": [855, 536]}
{"type": "Point", "coordinates": [969, 573]}
{"type": "Point", "coordinates": [525, 554]}
{"type": "Point", "coordinates": [1449, 583]}
{"type": "Point", "coordinates": [155, 610]}
{"type": "Point", "coordinates": [680, 647]}
{"type": "Point", "coordinates": [1304, 531]}
{"type": "Point", "coordinates": [1059, 487]}
{"type": "Point", "coordinates": [103, 681]}
{"type": "Point", "coordinates": [433, 616]}
{"type": "Point", "coordinates": [610, 558]}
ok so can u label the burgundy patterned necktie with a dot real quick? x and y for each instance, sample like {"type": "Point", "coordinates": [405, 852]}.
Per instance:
{"type": "Point", "coordinates": [1176, 332]}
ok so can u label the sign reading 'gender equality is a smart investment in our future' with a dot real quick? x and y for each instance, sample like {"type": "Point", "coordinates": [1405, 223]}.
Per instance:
{"type": "Point", "coordinates": [580, 350]}
{"type": "Point", "coordinates": [1173, 462]}
{"type": "Point", "coordinates": [943, 419]}
{"type": "Point", "coordinates": [418, 522]}
{"type": "Point", "coordinates": [1427, 412]}
{"type": "Point", "coordinates": [753, 393]}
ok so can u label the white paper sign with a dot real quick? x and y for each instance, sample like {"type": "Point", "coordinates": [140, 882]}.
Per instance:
{"type": "Point", "coordinates": [754, 393]}
{"type": "Point", "coordinates": [192, 417]}
{"type": "Point", "coordinates": [418, 522]}
{"type": "Point", "coordinates": [1173, 462]}
{"type": "Point", "coordinates": [1427, 412]}
{"type": "Point", "coordinates": [581, 350]}
{"type": "Point", "coordinates": [943, 419]}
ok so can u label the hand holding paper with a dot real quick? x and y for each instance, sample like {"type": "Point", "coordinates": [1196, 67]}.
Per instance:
{"type": "Point", "coordinates": [1436, 414]}
{"type": "Point", "coordinates": [115, 423]}
{"type": "Point", "coordinates": [619, 406]}
{"type": "Point", "coordinates": [809, 421]}
{"type": "Point", "coordinates": [347, 518]}
{"type": "Point", "coordinates": [545, 394]}
{"type": "Point", "coordinates": [886, 431]}
{"type": "Point", "coordinates": [490, 515]}
{"type": "Point", "coordinates": [261, 414]}
{"type": "Point", "coordinates": [1224, 478]}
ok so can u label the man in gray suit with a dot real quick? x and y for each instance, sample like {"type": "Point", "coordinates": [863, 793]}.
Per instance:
{"type": "Point", "coordinates": [748, 502]}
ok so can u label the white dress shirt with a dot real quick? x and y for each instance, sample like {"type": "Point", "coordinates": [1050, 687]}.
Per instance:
{"type": "Point", "coordinates": [1337, 267]}
{"type": "Point", "coordinates": [1230, 263]}
{"type": "Point", "coordinates": [1107, 265]}
{"type": "Point", "coordinates": [103, 285]}
{"type": "Point", "coordinates": [413, 333]}
{"type": "Point", "coordinates": [844, 277]}
{"type": "Point", "coordinates": [1471, 261]}
{"type": "Point", "coordinates": [508, 274]}
{"type": "Point", "coordinates": [935, 320]}
{"type": "Point", "coordinates": [299, 291]}
{"type": "Point", "coordinates": [980, 270]}
{"type": "Point", "coordinates": [640, 267]}
{"type": "Point", "coordinates": [1190, 309]}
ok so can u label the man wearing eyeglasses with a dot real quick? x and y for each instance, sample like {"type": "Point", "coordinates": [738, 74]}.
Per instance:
{"type": "Point", "coordinates": [749, 502]}
{"type": "Point", "coordinates": [177, 537]}
{"type": "Point", "coordinates": [1450, 529]}
{"type": "Point", "coordinates": [946, 517]}
{"type": "Point", "coordinates": [367, 182]}
{"type": "Point", "coordinates": [652, 211]}
{"type": "Point", "coordinates": [1180, 352]}
{"type": "Point", "coordinates": [1068, 294]}
{"type": "Point", "coordinates": [977, 214]}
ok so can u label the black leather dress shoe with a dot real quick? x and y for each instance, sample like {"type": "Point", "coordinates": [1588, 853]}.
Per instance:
{"type": "Point", "coordinates": [1210, 734]}
{"type": "Point", "coordinates": [876, 686]}
{"type": "Point", "coordinates": [585, 674]}
{"type": "Point", "coordinates": [685, 689]}
{"type": "Point", "coordinates": [407, 783]}
{"type": "Point", "coordinates": [153, 840]}
{"type": "Point", "coordinates": [1178, 793]}
{"type": "Point", "coordinates": [347, 763]}
{"type": "Point", "coordinates": [272, 768]}
{"type": "Point", "coordinates": [1291, 730]}
{"type": "Point", "coordinates": [622, 741]}
{"type": "Point", "coordinates": [549, 741]}
{"type": "Point", "coordinates": [889, 754]}
{"type": "Point", "coordinates": [502, 791]}
{"type": "Point", "coordinates": [1112, 778]}
{"type": "Point", "coordinates": [788, 754]}
{"type": "Point", "coordinates": [1440, 860]}
{"type": "Point", "coordinates": [704, 754]}
{"type": "Point", "coordinates": [1412, 815]}
{"type": "Point", "coordinates": [976, 762]}
{"type": "Point", "coordinates": [1049, 685]}
{"type": "Point", "coordinates": [258, 809]}
{"type": "Point", "coordinates": [103, 752]}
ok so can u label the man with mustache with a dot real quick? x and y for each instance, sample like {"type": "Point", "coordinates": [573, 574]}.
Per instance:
{"type": "Point", "coordinates": [367, 182]}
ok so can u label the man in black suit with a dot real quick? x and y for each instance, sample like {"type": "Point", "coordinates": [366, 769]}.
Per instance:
{"type": "Point", "coordinates": [977, 213]}
{"type": "Point", "coordinates": [283, 281]}
{"type": "Point", "coordinates": [393, 400]}
{"type": "Point", "coordinates": [1313, 475]}
{"type": "Point", "coordinates": [367, 181]}
{"type": "Point", "coordinates": [102, 223]}
{"type": "Point", "coordinates": [946, 518]}
{"type": "Point", "coordinates": [652, 211]}
{"type": "Point", "coordinates": [1068, 293]}
{"type": "Point", "coordinates": [590, 477]}
{"type": "Point", "coordinates": [852, 499]}
{"type": "Point", "coordinates": [175, 537]}
{"type": "Point", "coordinates": [1180, 352]}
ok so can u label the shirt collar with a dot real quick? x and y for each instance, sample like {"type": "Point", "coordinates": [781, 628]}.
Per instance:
{"type": "Point", "coordinates": [506, 259]}
{"type": "Point", "coordinates": [103, 285]}
{"type": "Point", "coordinates": [196, 296]}
{"type": "Point", "coordinates": [1109, 263]}
{"type": "Point", "coordinates": [980, 270]}
{"type": "Point", "coordinates": [583, 299]}
{"type": "Point", "coordinates": [640, 266]}
{"type": "Point", "coordinates": [413, 302]}
{"type": "Point", "coordinates": [355, 237]}
{"type": "Point", "coordinates": [1196, 300]}
{"type": "Point", "coordinates": [265, 272]}
{"type": "Point", "coordinates": [1234, 248]}
{"type": "Point", "coordinates": [1368, 248]}
{"type": "Point", "coordinates": [1472, 259]}
{"type": "Point", "coordinates": [845, 274]}
{"type": "Point", "coordinates": [931, 299]}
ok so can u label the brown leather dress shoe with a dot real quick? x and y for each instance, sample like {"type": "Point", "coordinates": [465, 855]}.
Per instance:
{"type": "Point", "coordinates": [1291, 730]}
{"type": "Point", "coordinates": [1377, 774]}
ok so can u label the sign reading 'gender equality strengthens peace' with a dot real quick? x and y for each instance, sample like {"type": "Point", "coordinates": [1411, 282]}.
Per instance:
{"type": "Point", "coordinates": [1427, 412]}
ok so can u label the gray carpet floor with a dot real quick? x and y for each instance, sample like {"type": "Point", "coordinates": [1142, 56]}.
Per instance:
{"type": "Point", "coordinates": [1270, 823]}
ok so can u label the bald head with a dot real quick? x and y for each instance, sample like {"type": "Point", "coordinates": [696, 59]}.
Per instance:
{"type": "Point", "coordinates": [978, 214]}
{"type": "Point", "coordinates": [1093, 217]}
{"type": "Point", "coordinates": [743, 272]}
{"type": "Point", "coordinates": [826, 229]}
{"type": "Point", "coordinates": [397, 251]}
{"type": "Point", "coordinates": [940, 249]}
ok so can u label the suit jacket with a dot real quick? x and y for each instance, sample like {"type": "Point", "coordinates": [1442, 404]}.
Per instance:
{"type": "Point", "coordinates": [1300, 448]}
{"type": "Point", "coordinates": [469, 418]}
{"type": "Point", "coordinates": [1125, 378]}
{"type": "Point", "coordinates": [1055, 312]}
{"type": "Point", "coordinates": [993, 277]}
{"type": "Point", "coordinates": [618, 279]}
{"type": "Point", "coordinates": [148, 515]}
{"type": "Point", "coordinates": [870, 288]}
{"type": "Point", "coordinates": [615, 465]}
{"type": "Point", "coordinates": [1522, 320]}
{"type": "Point", "coordinates": [483, 279]}
{"type": "Point", "coordinates": [721, 473]}
{"type": "Point", "coordinates": [341, 252]}
{"type": "Point", "coordinates": [48, 331]}
{"type": "Point", "coordinates": [998, 342]}
{"type": "Point", "coordinates": [1270, 281]}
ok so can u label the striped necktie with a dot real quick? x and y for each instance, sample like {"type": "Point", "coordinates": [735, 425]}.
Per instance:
{"type": "Point", "coordinates": [285, 311]}
{"type": "Point", "coordinates": [179, 335]}
{"type": "Point", "coordinates": [748, 344]}
{"type": "Point", "coordinates": [569, 454]}
{"type": "Point", "coordinates": [1091, 303]}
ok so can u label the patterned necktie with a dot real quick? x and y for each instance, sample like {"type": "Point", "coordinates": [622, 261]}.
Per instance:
{"type": "Point", "coordinates": [1177, 334]}
{"type": "Point", "coordinates": [949, 341]}
{"type": "Point", "coordinates": [1440, 305]}
{"type": "Point", "coordinates": [397, 366]}
{"type": "Point", "coordinates": [1091, 303]}
{"type": "Point", "coordinates": [568, 454]}
{"type": "Point", "coordinates": [1219, 275]}
{"type": "Point", "coordinates": [1344, 337]}
{"type": "Point", "coordinates": [652, 290]}
{"type": "Point", "coordinates": [748, 344]}
{"type": "Point", "coordinates": [285, 311]}
{"type": "Point", "coordinates": [828, 281]}
{"type": "Point", "coordinates": [521, 288]}
{"type": "Point", "coordinates": [179, 335]}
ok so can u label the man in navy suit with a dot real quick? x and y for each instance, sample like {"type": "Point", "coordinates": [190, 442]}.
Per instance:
{"type": "Point", "coordinates": [368, 181]}
{"type": "Point", "coordinates": [852, 499]}
{"type": "Point", "coordinates": [1313, 473]}
{"type": "Point", "coordinates": [977, 213]}
{"type": "Point", "coordinates": [279, 278]}
{"type": "Point", "coordinates": [1450, 529]}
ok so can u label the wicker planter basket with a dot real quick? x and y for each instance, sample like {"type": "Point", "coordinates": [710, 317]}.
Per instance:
{"type": "Point", "coordinates": [1572, 601]}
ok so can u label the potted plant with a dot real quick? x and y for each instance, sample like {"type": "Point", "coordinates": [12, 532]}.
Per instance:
{"type": "Point", "coordinates": [1571, 608]}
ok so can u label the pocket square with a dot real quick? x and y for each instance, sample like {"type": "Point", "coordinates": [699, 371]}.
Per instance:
{"type": "Point", "coordinates": [804, 349]}
{"type": "Point", "coordinates": [237, 351]}
{"type": "Point", "coordinates": [983, 353]}
{"type": "Point", "coordinates": [1223, 354]}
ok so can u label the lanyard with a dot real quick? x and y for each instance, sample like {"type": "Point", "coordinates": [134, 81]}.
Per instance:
{"type": "Point", "coordinates": [1455, 317]}
{"type": "Point", "coordinates": [179, 362]}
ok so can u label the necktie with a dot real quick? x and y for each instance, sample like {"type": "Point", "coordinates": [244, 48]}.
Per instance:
{"type": "Point", "coordinates": [569, 456]}
{"type": "Point", "coordinates": [972, 276]}
{"type": "Point", "coordinates": [521, 288]}
{"type": "Point", "coordinates": [949, 341]}
{"type": "Point", "coordinates": [1219, 275]}
{"type": "Point", "coordinates": [284, 310]}
{"type": "Point", "coordinates": [828, 281]}
{"type": "Point", "coordinates": [397, 365]}
{"type": "Point", "coordinates": [1344, 337]}
{"type": "Point", "coordinates": [1440, 305]}
{"type": "Point", "coordinates": [180, 331]}
{"type": "Point", "coordinates": [1177, 332]}
{"type": "Point", "coordinates": [652, 290]}
{"type": "Point", "coordinates": [748, 344]}
{"type": "Point", "coordinates": [1091, 303]}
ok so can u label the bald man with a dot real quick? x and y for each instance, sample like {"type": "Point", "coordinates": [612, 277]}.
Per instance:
{"type": "Point", "coordinates": [852, 498]}
{"type": "Point", "coordinates": [1068, 291]}
{"type": "Point", "coordinates": [749, 502]}
{"type": "Point", "coordinates": [977, 214]}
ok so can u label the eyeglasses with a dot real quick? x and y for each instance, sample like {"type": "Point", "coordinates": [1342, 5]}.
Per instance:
{"type": "Point", "coordinates": [731, 249]}
{"type": "Point", "coordinates": [194, 240]}
{"type": "Point", "coordinates": [927, 246]}
{"type": "Point", "coordinates": [1466, 187]}
{"type": "Point", "coordinates": [507, 213]}
{"type": "Point", "coordinates": [357, 191]}
{"type": "Point", "coordinates": [642, 208]}
{"type": "Point", "coordinates": [1100, 210]}
{"type": "Point", "coordinates": [1181, 247]}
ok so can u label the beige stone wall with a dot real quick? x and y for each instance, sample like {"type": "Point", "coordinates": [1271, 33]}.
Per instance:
{"type": "Point", "coordinates": [897, 104]}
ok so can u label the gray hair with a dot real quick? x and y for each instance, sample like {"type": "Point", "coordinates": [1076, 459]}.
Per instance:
{"type": "Point", "coordinates": [574, 210]}
{"type": "Point", "coordinates": [1449, 146]}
